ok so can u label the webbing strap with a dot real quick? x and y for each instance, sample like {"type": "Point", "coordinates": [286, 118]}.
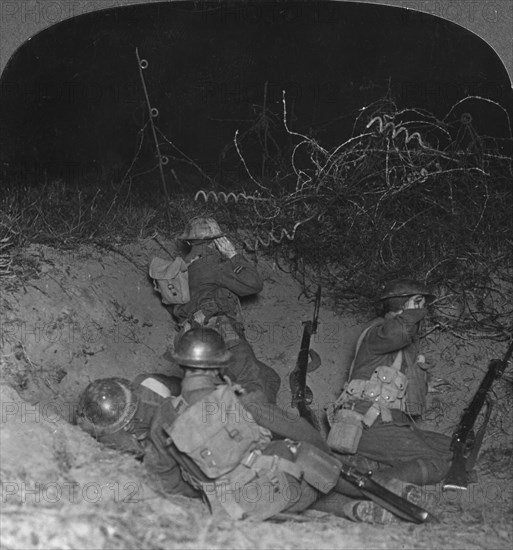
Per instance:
{"type": "Point", "coordinates": [258, 461]}
{"type": "Point", "coordinates": [358, 344]}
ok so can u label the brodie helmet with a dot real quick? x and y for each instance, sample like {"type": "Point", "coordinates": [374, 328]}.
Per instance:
{"type": "Point", "coordinates": [201, 229]}
{"type": "Point", "coordinates": [405, 287]}
{"type": "Point", "coordinates": [201, 348]}
{"type": "Point", "coordinates": [106, 406]}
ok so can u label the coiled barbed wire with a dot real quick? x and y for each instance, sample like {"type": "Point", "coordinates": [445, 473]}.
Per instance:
{"type": "Point", "coordinates": [217, 196]}
{"type": "Point", "coordinates": [271, 237]}
{"type": "Point", "coordinates": [395, 130]}
{"type": "Point", "coordinates": [270, 210]}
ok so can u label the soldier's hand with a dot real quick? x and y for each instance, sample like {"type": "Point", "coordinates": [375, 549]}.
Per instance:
{"type": "Point", "coordinates": [415, 302]}
{"type": "Point", "coordinates": [224, 246]}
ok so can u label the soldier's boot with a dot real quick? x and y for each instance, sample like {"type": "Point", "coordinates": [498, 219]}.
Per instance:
{"type": "Point", "coordinates": [366, 511]}
{"type": "Point", "coordinates": [420, 496]}
{"type": "Point", "coordinates": [418, 478]}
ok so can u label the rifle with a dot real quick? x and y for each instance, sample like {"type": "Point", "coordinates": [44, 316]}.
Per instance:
{"type": "Point", "coordinates": [301, 393]}
{"type": "Point", "coordinates": [381, 495]}
{"type": "Point", "coordinates": [465, 444]}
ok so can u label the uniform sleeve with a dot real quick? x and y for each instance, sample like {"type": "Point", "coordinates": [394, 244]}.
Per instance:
{"type": "Point", "coordinates": [239, 276]}
{"type": "Point", "coordinates": [160, 464]}
{"type": "Point", "coordinates": [394, 333]}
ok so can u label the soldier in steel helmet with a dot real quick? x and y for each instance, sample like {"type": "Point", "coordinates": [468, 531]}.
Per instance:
{"type": "Point", "coordinates": [118, 412]}
{"type": "Point", "coordinates": [205, 359]}
{"type": "Point", "coordinates": [373, 419]}
{"type": "Point", "coordinates": [218, 277]}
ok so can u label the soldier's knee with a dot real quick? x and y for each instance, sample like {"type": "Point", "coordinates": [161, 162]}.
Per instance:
{"type": "Point", "coordinates": [432, 470]}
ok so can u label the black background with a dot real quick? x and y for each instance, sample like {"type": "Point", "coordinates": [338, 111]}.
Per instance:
{"type": "Point", "coordinates": [72, 95]}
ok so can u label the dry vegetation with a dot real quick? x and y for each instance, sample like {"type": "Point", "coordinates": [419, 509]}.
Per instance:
{"type": "Point", "coordinates": [406, 195]}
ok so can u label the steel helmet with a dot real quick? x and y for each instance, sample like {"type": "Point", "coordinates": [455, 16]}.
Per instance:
{"type": "Point", "coordinates": [405, 287]}
{"type": "Point", "coordinates": [201, 229]}
{"type": "Point", "coordinates": [106, 406]}
{"type": "Point", "coordinates": [202, 348]}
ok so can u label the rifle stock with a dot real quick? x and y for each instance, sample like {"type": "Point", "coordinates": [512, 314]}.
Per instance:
{"type": "Point", "coordinates": [457, 476]}
{"type": "Point", "coordinates": [464, 445]}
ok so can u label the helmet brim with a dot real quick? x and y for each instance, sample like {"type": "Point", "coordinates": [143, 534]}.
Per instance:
{"type": "Point", "coordinates": [429, 297]}
{"type": "Point", "coordinates": [185, 237]}
{"type": "Point", "coordinates": [217, 363]}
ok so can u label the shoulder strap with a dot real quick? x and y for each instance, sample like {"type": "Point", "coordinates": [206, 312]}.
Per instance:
{"type": "Point", "coordinates": [358, 344]}
{"type": "Point", "coordinates": [398, 360]}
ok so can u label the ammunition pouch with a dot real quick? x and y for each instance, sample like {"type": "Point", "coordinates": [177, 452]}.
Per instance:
{"type": "Point", "coordinates": [385, 389]}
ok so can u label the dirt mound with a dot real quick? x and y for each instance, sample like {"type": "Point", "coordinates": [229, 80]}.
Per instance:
{"type": "Point", "coordinates": [82, 315]}
{"type": "Point", "coordinates": [72, 316]}
{"type": "Point", "coordinates": [89, 313]}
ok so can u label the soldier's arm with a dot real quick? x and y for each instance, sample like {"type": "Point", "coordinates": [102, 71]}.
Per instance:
{"type": "Point", "coordinates": [283, 424]}
{"type": "Point", "coordinates": [240, 276]}
{"type": "Point", "coordinates": [158, 460]}
{"type": "Point", "coordinates": [394, 333]}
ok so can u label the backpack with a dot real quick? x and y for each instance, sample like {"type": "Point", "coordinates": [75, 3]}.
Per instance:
{"type": "Point", "coordinates": [217, 432]}
{"type": "Point", "coordinates": [171, 280]}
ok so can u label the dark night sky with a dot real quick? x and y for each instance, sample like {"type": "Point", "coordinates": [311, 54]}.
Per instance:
{"type": "Point", "coordinates": [72, 94]}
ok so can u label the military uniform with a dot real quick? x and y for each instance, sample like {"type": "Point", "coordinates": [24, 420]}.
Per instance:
{"type": "Point", "coordinates": [215, 285]}
{"type": "Point", "coordinates": [390, 398]}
